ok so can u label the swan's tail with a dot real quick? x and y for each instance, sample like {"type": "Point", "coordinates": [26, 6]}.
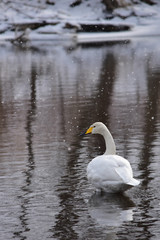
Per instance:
{"type": "Point", "coordinates": [134, 182]}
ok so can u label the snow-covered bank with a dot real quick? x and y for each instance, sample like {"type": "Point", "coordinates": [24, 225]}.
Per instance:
{"type": "Point", "coordinates": [21, 21]}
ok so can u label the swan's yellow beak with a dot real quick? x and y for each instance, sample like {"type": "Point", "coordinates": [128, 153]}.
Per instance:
{"type": "Point", "coordinates": [89, 130]}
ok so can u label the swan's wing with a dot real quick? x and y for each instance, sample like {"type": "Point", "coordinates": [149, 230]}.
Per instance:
{"type": "Point", "coordinates": [124, 174]}
{"type": "Point", "coordinates": [124, 170]}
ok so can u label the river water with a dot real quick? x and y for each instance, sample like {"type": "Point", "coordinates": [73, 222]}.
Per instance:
{"type": "Point", "coordinates": [49, 94]}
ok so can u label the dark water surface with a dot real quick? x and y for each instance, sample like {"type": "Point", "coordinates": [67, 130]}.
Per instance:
{"type": "Point", "coordinates": [48, 96]}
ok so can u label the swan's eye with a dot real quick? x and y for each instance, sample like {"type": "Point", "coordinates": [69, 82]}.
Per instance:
{"type": "Point", "coordinates": [94, 126]}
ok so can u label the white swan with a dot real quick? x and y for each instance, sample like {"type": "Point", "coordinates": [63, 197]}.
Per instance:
{"type": "Point", "coordinates": [109, 172]}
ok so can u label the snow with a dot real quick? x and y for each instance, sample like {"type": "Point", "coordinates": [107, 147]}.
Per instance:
{"type": "Point", "coordinates": [59, 21]}
{"type": "Point", "coordinates": [142, 10]}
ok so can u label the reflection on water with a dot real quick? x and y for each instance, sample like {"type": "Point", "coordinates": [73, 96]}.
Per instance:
{"type": "Point", "coordinates": [48, 95]}
{"type": "Point", "coordinates": [28, 172]}
{"type": "Point", "coordinates": [111, 210]}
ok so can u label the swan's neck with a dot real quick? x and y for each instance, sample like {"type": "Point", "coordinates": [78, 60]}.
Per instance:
{"type": "Point", "coordinates": [110, 145]}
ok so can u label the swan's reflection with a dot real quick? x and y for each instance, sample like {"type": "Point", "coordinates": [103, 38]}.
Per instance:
{"type": "Point", "coordinates": [111, 209]}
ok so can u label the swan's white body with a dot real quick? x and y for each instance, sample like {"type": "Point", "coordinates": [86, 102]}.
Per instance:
{"type": "Point", "coordinates": [109, 172]}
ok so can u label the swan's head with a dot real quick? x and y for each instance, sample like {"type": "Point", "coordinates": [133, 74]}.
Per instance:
{"type": "Point", "coordinates": [96, 128]}
{"type": "Point", "coordinates": [100, 128]}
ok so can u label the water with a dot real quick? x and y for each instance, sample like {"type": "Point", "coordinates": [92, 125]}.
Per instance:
{"type": "Point", "coordinates": [49, 94]}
